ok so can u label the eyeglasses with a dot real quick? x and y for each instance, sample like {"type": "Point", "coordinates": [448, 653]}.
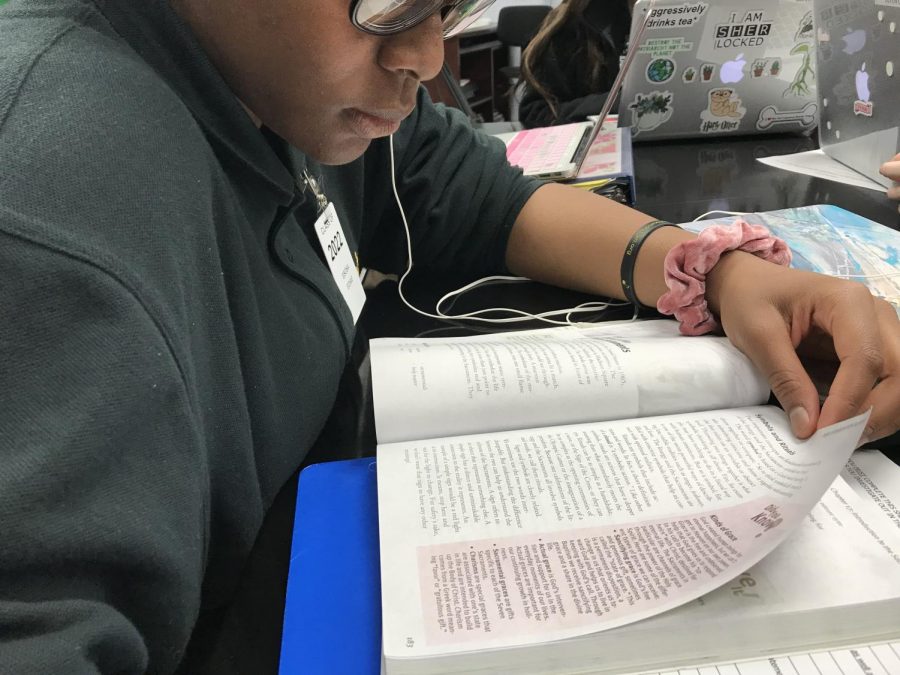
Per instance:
{"type": "Point", "coordinates": [387, 17]}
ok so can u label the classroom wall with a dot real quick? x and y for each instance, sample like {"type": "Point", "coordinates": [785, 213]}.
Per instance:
{"type": "Point", "coordinates": [493, 11]}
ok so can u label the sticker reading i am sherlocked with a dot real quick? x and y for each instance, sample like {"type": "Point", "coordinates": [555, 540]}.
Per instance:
{"type": "Point", "coordinates": [340, 261]}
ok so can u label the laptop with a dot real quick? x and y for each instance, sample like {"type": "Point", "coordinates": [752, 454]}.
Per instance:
{"type": "Point", "coordinates": [558, 152]}
{"type": "Point", "coordinates": [710, 68]}
{"type": "Point", "coordinates": [858, 56]}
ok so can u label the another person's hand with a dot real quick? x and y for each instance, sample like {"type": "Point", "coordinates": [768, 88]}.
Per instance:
{"type": "Point", "coordinates": [891, 170]}
{"type": "Point", "coordinates": [776, 314]}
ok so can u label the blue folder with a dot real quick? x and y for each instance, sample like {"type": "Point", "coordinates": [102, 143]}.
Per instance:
{"type": "Point", "coordinates": [332, 616]}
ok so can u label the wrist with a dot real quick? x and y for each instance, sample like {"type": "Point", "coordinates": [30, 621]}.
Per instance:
{"type": "Point", "coordinates": [732, 271]}
{"type": "Point", "coordinates": [700, 273]}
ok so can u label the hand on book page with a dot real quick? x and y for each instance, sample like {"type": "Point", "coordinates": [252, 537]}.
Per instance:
{"type": "Point", "coordinates": [518, 551]}
{"type": "Point", "coordinates": [776, 314]}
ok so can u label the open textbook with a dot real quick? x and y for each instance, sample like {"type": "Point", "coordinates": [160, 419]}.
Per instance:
{"type": "Point", "coordinates": [877, 480]}
{"type": "Point", "coordinates": [519, 534]}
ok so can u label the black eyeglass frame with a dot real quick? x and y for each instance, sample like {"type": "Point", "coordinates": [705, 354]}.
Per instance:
{"type": "Point", "coordinates": [448, 9]}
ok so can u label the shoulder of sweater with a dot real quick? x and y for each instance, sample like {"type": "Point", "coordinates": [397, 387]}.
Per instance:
{"type": "Point", "coordinates": [71, 91]}
{"type": "Point", "coordinates": [105, 166]}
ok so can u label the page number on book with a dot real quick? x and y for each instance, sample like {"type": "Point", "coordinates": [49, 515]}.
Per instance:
{"type": "Point", "coordinates": [410, 643]}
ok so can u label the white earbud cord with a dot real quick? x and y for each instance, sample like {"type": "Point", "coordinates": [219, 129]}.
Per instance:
{"type": "Point", "coordinates": [516, 314]}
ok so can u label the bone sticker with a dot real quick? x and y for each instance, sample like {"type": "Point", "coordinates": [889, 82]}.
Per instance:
{"type": "Point", "coordinates": [724, 113]}
{"type": "Point", "coordinates": [771, 116]}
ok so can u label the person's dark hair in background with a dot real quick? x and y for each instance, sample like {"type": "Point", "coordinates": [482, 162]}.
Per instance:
{"type": "Point", "coordinates": [571, 63]}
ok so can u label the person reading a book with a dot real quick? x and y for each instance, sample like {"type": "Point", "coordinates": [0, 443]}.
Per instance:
{"type": "Point", "coordinates": [571, 63]}
{"type": "Point", "coordinates": [173, 335]}
{"type": "Point", "coordinates": [891, 170]}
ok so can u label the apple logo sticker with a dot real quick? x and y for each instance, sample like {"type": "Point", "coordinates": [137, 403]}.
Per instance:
{"type": "Point", "coordinates": [733, 71]}
{"type": "Point", "coordinates": [862, 84]}
{"type": "Point", "coordinates": [863, 104]}
{"type": "Point", "coordinates": [854, 41]}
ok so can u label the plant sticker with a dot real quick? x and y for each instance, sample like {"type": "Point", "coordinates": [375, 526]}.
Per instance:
{"type": "Point", "coordinates": [650, 111]}
{"type": "Point", "coordinates": [724, 112]}
{"type": "Point", "coordinates": [689, 75]}
{"type": "Point", "coordinates": [660, 71]}
{"type": "Point", "coordinates": [707, 70]}
{"type": "Point", "coordinates": [770, 116]}
{"type": "Point", "coordinates": [759, 68]}
{"type": "Point", "coordinates": [775, 68]}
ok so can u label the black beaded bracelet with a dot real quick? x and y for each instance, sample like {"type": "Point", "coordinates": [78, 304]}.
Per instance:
{"type": "Point", "coordinates": [626, 274]}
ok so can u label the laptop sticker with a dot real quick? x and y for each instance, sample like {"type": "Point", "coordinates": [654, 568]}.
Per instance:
{"type": "Point", "coordinates": [805, 75]}
{"type": "Point", "coordinates": [732, 71]}
{"type": "Point", "coordinates": [676, 16]}
{"type": "Point", "coordinates": [724, 112]}
{"type": "Point", "coordinates": [832, 19]}
{"type": "Point", "coordinates": [665, 48]}
{"type": "Point", "coordinates": [759, 68]}
{"type": "Point", "coordinates": [854, 41]}
{"type": "Point", "coordinates": [650, 111]}
{"type": "Point", "coordinates": [707, 70]}
{"type": "Point", "coordinates": [770, 116]}
{"type": "Point", "coordinates": [689, 75]}
{"type": "Point", "coordinates": [660, 71]}
{"type": "Point", "coordinates": [863, 104]}
{"type": "Point", "coordinates": [806, 29]}
{"type": "Point", "coordinates": [743, 30]}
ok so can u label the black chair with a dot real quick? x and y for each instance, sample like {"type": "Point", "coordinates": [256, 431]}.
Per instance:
{"type": "Point", "coordinates": [516, 26]}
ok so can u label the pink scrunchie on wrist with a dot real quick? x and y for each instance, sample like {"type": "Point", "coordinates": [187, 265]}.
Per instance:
{"type": "Point", "coordinates": [688, 264]}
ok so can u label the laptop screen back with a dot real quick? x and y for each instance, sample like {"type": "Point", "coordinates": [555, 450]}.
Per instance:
{"type": "Point", "coordinates": [858, 54]}
{"type": "Point", "coordinates": [708, 68]}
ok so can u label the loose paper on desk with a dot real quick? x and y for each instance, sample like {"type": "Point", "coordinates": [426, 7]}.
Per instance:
{"type": "Point", "coordinates": [817, 163]}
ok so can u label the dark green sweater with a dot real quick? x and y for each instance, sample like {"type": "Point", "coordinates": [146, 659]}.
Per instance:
{"type": "Point", "coordinates": [167, 355]}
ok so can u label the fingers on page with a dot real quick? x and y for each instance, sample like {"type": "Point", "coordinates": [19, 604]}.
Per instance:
{"type": "Point", "coordinates": [769, 346]}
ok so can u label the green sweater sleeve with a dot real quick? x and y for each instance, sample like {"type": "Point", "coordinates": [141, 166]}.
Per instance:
{"type": "Point", "coordinates": [101, 496]}
{"type": "Point", "coordinates": [460, 194]}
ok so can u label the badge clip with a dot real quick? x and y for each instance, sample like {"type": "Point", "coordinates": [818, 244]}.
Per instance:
{"type": "Point", "coordinates": [312, 185]}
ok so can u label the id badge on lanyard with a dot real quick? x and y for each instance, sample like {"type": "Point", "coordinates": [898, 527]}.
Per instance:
{"type": "Point", "coordinates": [337, 252]}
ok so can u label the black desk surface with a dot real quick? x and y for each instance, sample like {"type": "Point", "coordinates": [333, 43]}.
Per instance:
{"type": "Point", "coordinates": [675, 181]}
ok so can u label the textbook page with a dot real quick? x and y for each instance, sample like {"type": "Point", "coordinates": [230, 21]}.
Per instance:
{"type": "Point", "coordinates": [523, 537]}
{"type": "Point", "coordinates": [835, 580]}
{"type": "Point", "coordinates": [881, 658]}
{"type": "Point", "coordinates": [429, 388]}
{"type": "Point", "coordinates": [877, 479]}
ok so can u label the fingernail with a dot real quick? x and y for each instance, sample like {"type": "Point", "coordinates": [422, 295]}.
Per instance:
{"type": "Point", "coordinates": [799, 420]}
